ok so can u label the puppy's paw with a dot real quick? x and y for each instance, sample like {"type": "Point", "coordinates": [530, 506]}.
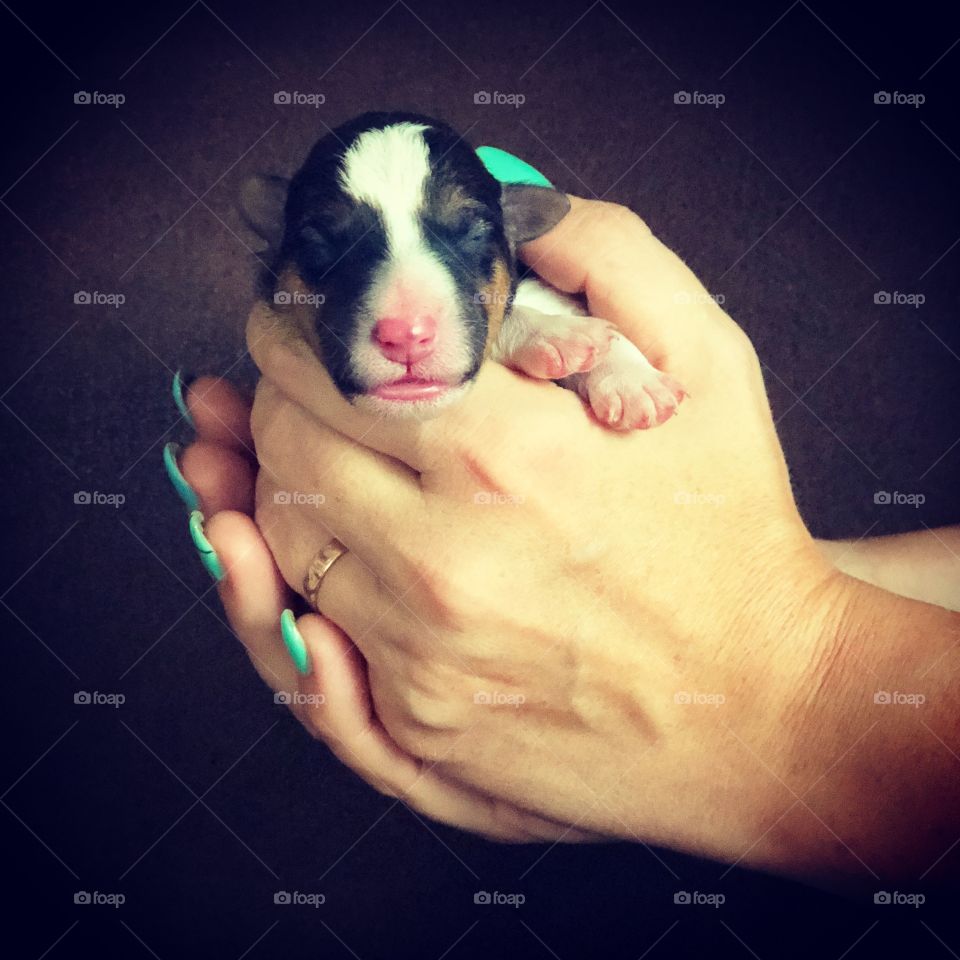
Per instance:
{"type": "Point", "coordinates": [559, 346]}
{"type": "Point", "coordinates": [626, 392]}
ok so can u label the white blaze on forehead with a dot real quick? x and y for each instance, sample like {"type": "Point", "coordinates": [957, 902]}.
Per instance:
{"type": "Point", "coordinates": [388, 169]}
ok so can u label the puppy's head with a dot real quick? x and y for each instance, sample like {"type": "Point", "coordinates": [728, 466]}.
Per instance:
{"type": "Point", "coordinates": [393, 250]}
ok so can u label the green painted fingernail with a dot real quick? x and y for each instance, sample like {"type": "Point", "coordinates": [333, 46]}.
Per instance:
{"type": "Point", "coordinates": [208, 556]}
{"type": "Point", "coordinates": [186, 493]}
{"type": "Point", "coordinates": [294, 642]}
{"type": "Point", "coordinates": [181, 384]}
{"type": "Point", "coordinates": [510, 169]}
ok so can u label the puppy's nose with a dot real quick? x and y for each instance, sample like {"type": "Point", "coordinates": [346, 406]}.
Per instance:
{"type": "Point", "coordinates": [405, 340]}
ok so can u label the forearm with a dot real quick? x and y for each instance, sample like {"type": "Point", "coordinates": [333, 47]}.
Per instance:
{"type": "Point", "coordinates": [923, 565]}
{"type": "Point", "coordinates": [873, 797]}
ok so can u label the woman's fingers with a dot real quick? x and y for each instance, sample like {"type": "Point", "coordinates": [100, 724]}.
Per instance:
{"type": "Point", "coordinates": [334, 703]}
{"type": "Point", "coordinates": [221, 477]}
{"type": "Point", "coordinates": [351, 593]}
{"type": "Point", "coordinates": [369, 501]}
{"type": "Point", "coordinates": [629, 277]}
{"type": "Point", "coordinates": [253, 595]}
{"type": "Point", "coordinates": [220, 413]}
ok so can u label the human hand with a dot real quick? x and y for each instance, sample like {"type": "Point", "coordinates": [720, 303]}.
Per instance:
{"type": "Point", "coordinates": [594, 582]}
{"type": "Point", "coordinates": [219, 469]}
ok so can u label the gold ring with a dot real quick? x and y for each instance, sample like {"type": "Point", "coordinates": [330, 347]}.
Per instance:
{"type": "Point", "coordinates": [318, 568]}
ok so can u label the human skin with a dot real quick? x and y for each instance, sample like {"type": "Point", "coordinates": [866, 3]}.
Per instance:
{"type": "Point", "coordinates": [514, 546]}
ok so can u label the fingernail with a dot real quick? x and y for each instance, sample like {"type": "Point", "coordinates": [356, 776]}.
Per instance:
{"type": "Point", "coordinates": [510, 169]}
{"type": "Point", "coordinates": [208, 556]}
{"type": "Point", "coordinates": [181, 384]}
{"type": "Point", "coordinates": [186, 493]}
{"type": "Point", "coordinates": [294, 642]}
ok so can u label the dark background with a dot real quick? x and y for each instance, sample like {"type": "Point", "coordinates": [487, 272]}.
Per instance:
{"type": "Point", "coordinates": [199, 798]}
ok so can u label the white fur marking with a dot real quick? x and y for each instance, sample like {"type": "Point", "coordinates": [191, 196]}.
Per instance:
{"type": "Point", "coordinates": [388, 169]}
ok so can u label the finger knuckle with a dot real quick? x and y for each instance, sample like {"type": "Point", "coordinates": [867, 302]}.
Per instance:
{"type": "Point", "coordinates": [448, 590]}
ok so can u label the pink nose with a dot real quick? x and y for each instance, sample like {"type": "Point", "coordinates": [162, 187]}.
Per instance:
{"type": "Point", "coordinates": [405, 340]}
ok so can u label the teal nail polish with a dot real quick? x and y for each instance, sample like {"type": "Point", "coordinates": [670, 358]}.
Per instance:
{"type": "Point", "coordinates": [186, 493]}
{"type": "Point", "coordinates": [181, 384]}
{"type": "Point", "coordinates": [294, 642]}
{"type": "Point", "coordinates": [208, 556]}
{"type": "Point", "coordinates": [510, 169]}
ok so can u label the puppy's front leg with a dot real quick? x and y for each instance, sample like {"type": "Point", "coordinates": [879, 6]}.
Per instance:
{"type": "Point", "coordinates": [625, 390]}
{"type": "Point", "coordinates": [550, 346]}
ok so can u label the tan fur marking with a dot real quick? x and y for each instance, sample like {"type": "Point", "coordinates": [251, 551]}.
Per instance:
{"type": "Point", "coordinates": [298, 313]}
{"type": "Point", "coordinates": [495, 295]}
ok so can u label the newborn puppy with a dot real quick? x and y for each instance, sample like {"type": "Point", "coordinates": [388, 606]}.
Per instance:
{"type": "Point", "coordinates": [393, 252]}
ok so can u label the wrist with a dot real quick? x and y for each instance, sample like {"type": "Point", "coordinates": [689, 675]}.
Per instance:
{"type": "Point", "coordinates": [868, 790]}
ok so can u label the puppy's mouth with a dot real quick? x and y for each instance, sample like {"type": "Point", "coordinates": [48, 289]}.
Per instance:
{"type": "Point", "coordinates": [419, 397]}
{"type": "Point", "coordinates": [411, 389]}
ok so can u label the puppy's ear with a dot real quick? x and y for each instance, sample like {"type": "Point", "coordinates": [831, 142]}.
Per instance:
{"type": "Point", "coordinates": [262, 200]}
{"type": "Point", "coordinates": [529, 212]}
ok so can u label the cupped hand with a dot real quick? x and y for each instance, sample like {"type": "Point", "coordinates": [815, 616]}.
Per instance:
{"type": "Point", "coordinates": [608, 631]}
{"type": "Point", "coordinates": [221, 468]}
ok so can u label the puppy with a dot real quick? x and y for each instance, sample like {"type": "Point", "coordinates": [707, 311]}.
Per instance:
{"type": "Point", "coordinates": [393, 252]}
